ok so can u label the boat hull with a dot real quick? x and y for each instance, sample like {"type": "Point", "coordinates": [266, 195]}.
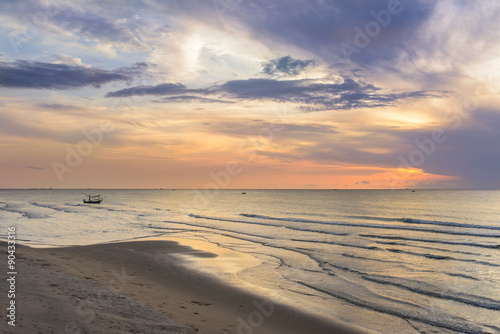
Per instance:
{"type": "Point", "coordinates": [92, 202]}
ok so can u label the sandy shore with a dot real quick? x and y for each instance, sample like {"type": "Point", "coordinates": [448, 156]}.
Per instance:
{"type": "Point", "coordinates": [140, 287]}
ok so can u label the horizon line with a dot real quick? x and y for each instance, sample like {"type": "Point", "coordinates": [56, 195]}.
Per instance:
{"type": "Point", "coordinates": [201, 189]}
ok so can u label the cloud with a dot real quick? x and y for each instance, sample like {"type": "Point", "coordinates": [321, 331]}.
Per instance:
{"type": "Point", "coordinates": [162, 89]}
{"type": "Point", "coordinates": [40, 75]}
{"type": "Point", "coordinates": [191, 99]}
{"type": "Point", "coordinates": [470, 152]}
{"type": "Point", "coordinates": [93, 25]}
{"type": "Point", "coordinates": [287, 65]}
{"type": "Point", "coordinates": [443, 48]}
{"type": "Point", "coordinates": [63, 58]}
{"type": "Point", "coordinates": [355, 100]}
{"type": "Point", "coordinates": [89, 22]}
{"type": "Point", "coordinates": [58, 106]}
{"type": "Point", "coordinates": [315, 95]}
{"type": "Point", "coordinates": [283, 130]}
{"type": "Point", "coordinates": [321, 26]}
{"type": "Point", "coordinates": [311, 95]}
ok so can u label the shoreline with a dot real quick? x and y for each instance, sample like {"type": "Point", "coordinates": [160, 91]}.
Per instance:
{"type": "Point", "coordinates": [144, 286]}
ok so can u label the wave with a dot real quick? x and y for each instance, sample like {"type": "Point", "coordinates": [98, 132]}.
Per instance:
{"type": "Point", "coordinates": [52, 207]}
{"type": "Point", "coordinates": [266, 224]}
{"type": "Point", "coordinates": [240, 236]}
{"type": "Point", "coordinates": [457, 243]}
{"type": "Point", "coordinates": [368, 258]}
{"type": "Point", "coordinates": [425, 222]}
{"type": "Point", "coordinates": [105, 208]}
{"type": "Point", "coordinates": [424, 288]}
{"type": "Point", "coordinates": [429, 290]}
{"type": "Point", "coordinates": [457, 324]}
{"type": "Point", "coordinates": [346, 269]}
{"type": "Point", "coordinates": [217, 229]}
{"type": "Point", "coordinates": [304, 214]}
{"type": "Point", "coordinates": [442, 257]}
{"type": "Point", "coordinates": [427, 255]}
{"type": "Point", "coordinates": [463, 276]}
{"type": "Point", "coordinates": [25, 213]}
{"type": "Point", "coordinates": [394, 243]}
{"type": "Point", "coordinates": [388, 227]}
{"type": "Point", "coordinates": [337, 243]}
{"type": "Point", "coordinates": [363, 274]}
{"type": "Point", "coordinates": [440, 223]}
{"type": "Point", "coordinates": [384, 219]}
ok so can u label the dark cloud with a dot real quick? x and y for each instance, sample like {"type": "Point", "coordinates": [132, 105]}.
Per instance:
{"type": "Point", "coordinates": [134, 70]}
{"type": "Point", "coordinates": [315, 95]}
{"type": "Point", "coordinates": [58, 106]}
{"type": "Point", "coordinates": [267, 89]}
{"type": "Point", "coordinates": [162, 89]}
{"type": "Point", "coordinates": [191, 99]}
{"type": "Point", "coordinates": [287, 66]}
{"type": "Point", "coordinates": [322, 26]}
{"type": "Point", "coordinates": [39, 75]}
{"type": "Point", "coordinates": [360, 99]}
{"type": "Point", "coordinates": [312, 95]}
{"type": "Point", "coordinates": [305, 90]}
{"type": "Point", "coordinates": [470, 152]}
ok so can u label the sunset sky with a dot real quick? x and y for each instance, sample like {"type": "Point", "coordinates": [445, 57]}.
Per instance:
{"type": "Point", "coordinates": [250, 94]}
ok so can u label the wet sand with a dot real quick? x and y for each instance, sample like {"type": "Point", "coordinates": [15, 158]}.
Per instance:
{"type": "Point", "coordinates": [144, 286]}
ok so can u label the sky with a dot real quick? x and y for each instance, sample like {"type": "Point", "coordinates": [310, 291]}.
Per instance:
{"type": "Point", "coordinates": [243, 94]}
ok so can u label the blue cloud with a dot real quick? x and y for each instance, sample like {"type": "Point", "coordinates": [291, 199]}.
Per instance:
{"type": "Point", "coordinates": [287, 65]}
{"type": "Point", "coordinates": [162, 89]}
{"type": "Point", "coordinates": [191, 99]}
{"type": "Point", "coordinates": [321, 27]}
{"type": "Point", "coordinates": [40, 75]}
{"type": "Point", "coordinates": [310, 95]}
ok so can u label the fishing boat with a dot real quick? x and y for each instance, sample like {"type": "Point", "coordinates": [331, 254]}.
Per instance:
{"type": "Point", "coordinates": [93, 199]}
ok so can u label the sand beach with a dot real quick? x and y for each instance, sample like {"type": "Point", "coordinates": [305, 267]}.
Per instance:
{"type": "Point", "coordinates": [142, 287]}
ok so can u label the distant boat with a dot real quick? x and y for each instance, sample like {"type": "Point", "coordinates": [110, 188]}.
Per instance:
{"type": "Point", "coordinates": [243, 193]}
{"type": "Point", "coordinates": [93, 199]}
{"type": "Point", "coordinates": [413, 191]}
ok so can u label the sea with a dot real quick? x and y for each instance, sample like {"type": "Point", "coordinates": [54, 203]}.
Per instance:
{"type": "Point", "coordinates": [392, 261]}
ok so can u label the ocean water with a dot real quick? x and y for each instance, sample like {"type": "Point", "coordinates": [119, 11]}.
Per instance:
{"type": "Point", "coordinates": [393, 261]}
